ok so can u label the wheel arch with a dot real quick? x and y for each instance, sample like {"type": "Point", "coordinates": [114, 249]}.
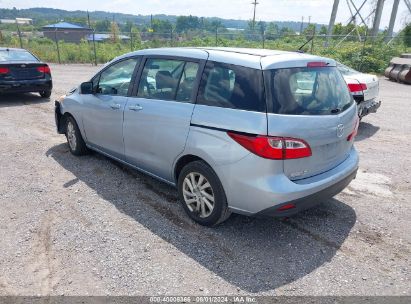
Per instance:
{"type": "Point", "coordinates": [63, 120]}
{"type": "Point", "coordinates": [183, 161]}
{"type": "Point", "coordinates": [79, 123]}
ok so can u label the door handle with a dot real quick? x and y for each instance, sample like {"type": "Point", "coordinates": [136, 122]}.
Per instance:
{"type": "Point", "coordinates": [135, 108]}
{"type": "Point", "coordinates": [115, 106]}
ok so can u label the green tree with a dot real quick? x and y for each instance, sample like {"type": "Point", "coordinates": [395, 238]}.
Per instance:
{"type": "Point", "coordinates": [185, 23]}
{"type": "Point", "coordinates": [135, 38]}
{"type": "Point", "coordinates": [114, 32]}
{"type": "Point", "coordinates": [338, 29]}
{"type": "Point", "coordinates": [309, 30]}
{"type": "Point", "coordinates": [162, 28]}
{"type": "Point", "coordinates": [323, 30]}
{"type": "Point", "coordinates": [77, 20]}
{"type": "Point", "coordinates": [272, 31]}
{"type": "Point", "coordinates": [407, 35]}
{"type": "Point", "coordinates": [261, 26]}
{"type": "Point", "coordinates": [286, 31]}
{"type": "Point", "coordinates": [102, 26]}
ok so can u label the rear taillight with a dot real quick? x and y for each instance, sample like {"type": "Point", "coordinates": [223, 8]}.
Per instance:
{"type": "Point", "coordinates": [355, 131]}
{"type": "Point", "coordinates": [44, 69]}
{"type": "Point", "coordinates": [4, 70]}
{"type": "Point", "coordinates": [273, 147]}
{"type": "Point", "coordinates": [357, 87]}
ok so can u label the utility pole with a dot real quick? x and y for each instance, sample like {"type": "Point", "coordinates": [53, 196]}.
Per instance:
{"type": "Point", "coordinates": [94, 39]}
{"type": "Point", "coordinates": [131, 37]}
{"type": "Point", "coordinates": [216, 35]}
{"type": "Point", "coordinates": [377, 19]}
{"type": "Point", "coordinates": [19, 33]}
{"type": "Point", "coordinates": [255, 3]}
{"type": "Point", "coordinates": [302, 25]}
{"type": "Point", "coordinates": [332, 21]}
{"type": "Point", "coordinates": [392, 20]}
{"type": "Point", "coordinates": [408, 4]}
{"type": "Point", "coordinates": [312, 41]}
{"type": "Point", "coordinates": [57, 44]}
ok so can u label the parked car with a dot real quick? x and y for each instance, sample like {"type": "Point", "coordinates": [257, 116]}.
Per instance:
{"type": "Point", "coordinates": [363, 87]}
{"type": "Point", "coordinates": [255, 132]}
{"type": "Point", "coordinates": [22, 72]}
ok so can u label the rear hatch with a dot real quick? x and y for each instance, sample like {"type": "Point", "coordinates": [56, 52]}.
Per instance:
{"type": "Point", "coordinates": [311, 104]}
{"type": "Point", "coordinates": [22, 71]}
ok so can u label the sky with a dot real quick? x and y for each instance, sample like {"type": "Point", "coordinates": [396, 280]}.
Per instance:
{"type": "Point", "coordinates": [267, 10]}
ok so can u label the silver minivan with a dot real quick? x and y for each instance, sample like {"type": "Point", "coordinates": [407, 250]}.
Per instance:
{"type": "Point", "coordinates": [255, 132]}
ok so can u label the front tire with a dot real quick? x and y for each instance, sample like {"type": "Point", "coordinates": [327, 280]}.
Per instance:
{"type": "Point", "coordinates": [45, 94]}
{"type": "Point", "coordinates": [75, 141]}
{"type": "Point", "coordinates": [202, 195]}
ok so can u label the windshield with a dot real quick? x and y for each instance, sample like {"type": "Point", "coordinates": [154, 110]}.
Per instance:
{"type": "Point", "coordinates": [307, 91]}
{"type": "Point", "coordinates": [16, 55]}
{"type": "Point", "coordinates": [346, 70]}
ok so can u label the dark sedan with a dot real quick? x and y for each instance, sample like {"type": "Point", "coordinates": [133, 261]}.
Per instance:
{"type": "Point", "coordinates": [22, 72]}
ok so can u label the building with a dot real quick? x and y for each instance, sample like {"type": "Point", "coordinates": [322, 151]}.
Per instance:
{"type": "Point", "coordinates": [106, 37]}
{"type": "Point", "coordinates": [67, 32]}
{"type": "Point", "coordinates": [25, 21]}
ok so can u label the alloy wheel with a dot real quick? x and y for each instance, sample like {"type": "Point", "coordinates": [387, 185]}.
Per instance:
{"type": "Point", "coordinates": [198, 194]}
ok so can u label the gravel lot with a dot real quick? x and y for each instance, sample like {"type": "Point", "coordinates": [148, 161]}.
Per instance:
{"type": "Point", "coordinates": [88, 226]}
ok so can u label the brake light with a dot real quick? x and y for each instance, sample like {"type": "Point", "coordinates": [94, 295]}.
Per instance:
{"type": "Point", "coordinates": [355, 131]}
{"type": "Point", "coordinates": [316, 64]}
{"type": "Point", "coordinates": [44, 69]}
{"type": "Point", "coordinates": [357, 87]}
{"type": "Point", "coordinates": [273, 147]}
{"type": "Point", "coordinates": [4, 70]}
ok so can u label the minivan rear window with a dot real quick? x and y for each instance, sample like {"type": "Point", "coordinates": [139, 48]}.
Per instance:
{"type": "Point", "coordinates": [232, 86]}
{"type": "Point", "coordinates": [307, 91]}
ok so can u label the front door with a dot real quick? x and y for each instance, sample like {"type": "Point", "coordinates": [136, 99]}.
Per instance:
{"type": "Point", "coordinates": [104, 110]}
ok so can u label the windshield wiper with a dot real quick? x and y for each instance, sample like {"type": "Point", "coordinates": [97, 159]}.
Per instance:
{"type": "Point", "coordinates": [335, 111]}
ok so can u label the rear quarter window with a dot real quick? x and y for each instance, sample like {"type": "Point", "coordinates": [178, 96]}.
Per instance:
{"type": "Point", "coordinates": [232, 86]}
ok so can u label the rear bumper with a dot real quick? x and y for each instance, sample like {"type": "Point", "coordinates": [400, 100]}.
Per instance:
{"type": "Point", "coordinates": [368, 106]}
{"type": "Point", "coordinates": [58, 117]}
{"type": "Point", "coordinates": [257, 186]}
{"type": "Point", "coordinates": [26, 86]}
{"type": "Point", "coordinates": [309, 201]}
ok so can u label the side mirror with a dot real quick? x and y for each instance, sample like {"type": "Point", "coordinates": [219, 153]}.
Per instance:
{"type": "Point", "coordinates": [87, 87]}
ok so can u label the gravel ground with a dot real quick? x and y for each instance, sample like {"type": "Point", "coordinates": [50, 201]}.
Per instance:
{"type": "Point", "coordinates": [88, 226]}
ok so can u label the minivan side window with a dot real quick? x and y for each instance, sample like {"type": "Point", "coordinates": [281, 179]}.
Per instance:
{"type": "Point", "coordinates": [167, 79]}
{"type": "Point", "coordinates": [115, 80]}
{"type": "Point", "coordinates": [232, 86]}
{"type": "Point", "coordinates": [187, 81]}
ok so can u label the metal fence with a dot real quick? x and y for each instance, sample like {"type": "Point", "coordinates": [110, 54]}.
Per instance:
{"type": "Point", "coordinates": [103, 46]}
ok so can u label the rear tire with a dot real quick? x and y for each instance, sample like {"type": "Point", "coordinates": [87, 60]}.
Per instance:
{"type": "Point", "coordinates": [202, 195]}
{"type": "Point", "coordinates": [45, 94]}
{"type": "Point", "coordinates": [75, 141]}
